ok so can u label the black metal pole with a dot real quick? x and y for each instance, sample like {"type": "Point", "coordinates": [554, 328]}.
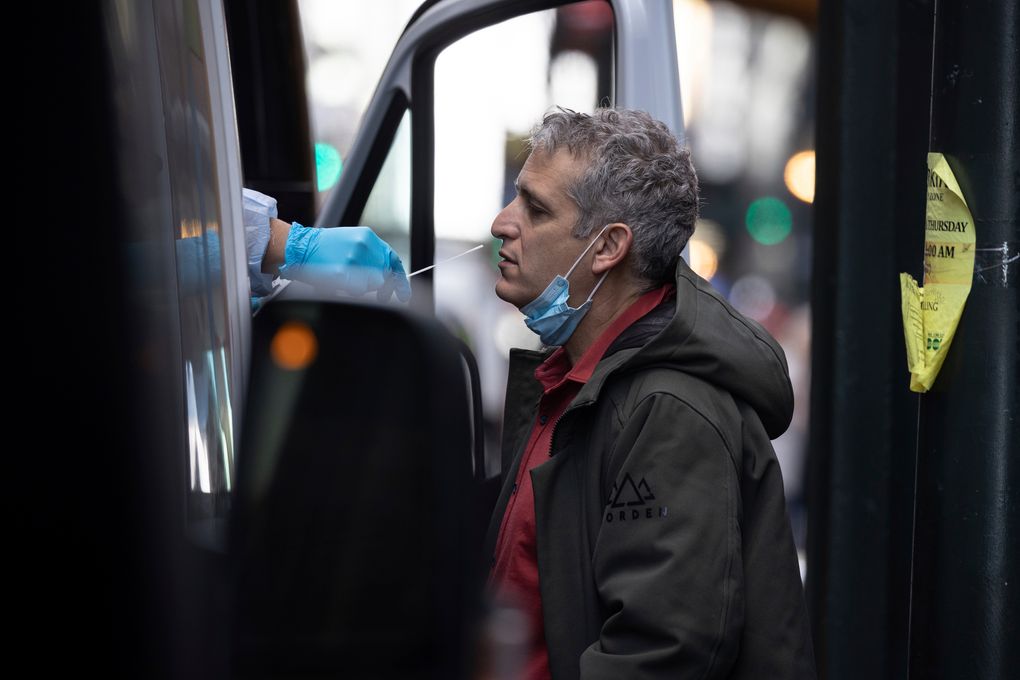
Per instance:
{"type": "Point", "coordinates": [964, 612]}
{"type": "Point", "coordinates": [873, 107]}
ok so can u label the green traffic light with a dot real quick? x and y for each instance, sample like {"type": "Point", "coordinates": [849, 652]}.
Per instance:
{"type": "Point", "coordinates": [768, 221]}
{"type": "Point", "coordinates": [328, 165]}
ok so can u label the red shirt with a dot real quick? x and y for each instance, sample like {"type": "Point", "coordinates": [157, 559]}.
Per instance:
{"type": "Point", "coordinates": [514, 575]}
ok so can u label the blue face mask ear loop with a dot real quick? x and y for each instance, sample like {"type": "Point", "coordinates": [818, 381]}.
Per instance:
{"type": "Point", "coordinates": [578, 261]}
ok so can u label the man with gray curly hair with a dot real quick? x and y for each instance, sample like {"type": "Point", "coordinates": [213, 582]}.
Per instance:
{"type": "Point", "coordinates": [641, 526]}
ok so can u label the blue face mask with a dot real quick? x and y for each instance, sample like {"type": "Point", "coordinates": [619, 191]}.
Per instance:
{"type": "Point", "coordinates": [549, 315]}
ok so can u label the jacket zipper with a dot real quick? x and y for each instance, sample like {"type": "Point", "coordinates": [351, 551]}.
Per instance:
{"type": "Point", "coordinates": [552, 437]}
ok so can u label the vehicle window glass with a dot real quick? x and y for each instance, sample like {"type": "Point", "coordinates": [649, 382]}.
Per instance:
{"type": "Point", "coordinates": [388, 209]}
{"type": "Point", "coordinates": [491, 87]}
{"type": "Point", "coordinates": [347, 45]}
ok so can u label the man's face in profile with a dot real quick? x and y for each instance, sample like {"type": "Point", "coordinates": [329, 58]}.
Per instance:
{"type": "Point", "coordinates": [535, 227]}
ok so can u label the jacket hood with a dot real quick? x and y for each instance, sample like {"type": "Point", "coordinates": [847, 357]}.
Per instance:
{"type": "Point", "coordinates": [701, 334]}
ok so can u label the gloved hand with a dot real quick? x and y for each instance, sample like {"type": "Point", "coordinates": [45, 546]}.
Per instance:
{"type": "Point", "coordinates": [351, 259]}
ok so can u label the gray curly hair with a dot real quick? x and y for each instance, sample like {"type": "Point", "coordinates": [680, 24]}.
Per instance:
{"type": "Point", "coordinates": [638, 174]}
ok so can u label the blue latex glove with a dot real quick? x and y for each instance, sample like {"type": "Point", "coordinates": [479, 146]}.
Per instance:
{"type": "Point", "coordinates": [351, 259]}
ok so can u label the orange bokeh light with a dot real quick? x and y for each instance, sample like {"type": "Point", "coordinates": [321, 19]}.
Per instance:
{"type": "Point", "coordinates": [294, 346]}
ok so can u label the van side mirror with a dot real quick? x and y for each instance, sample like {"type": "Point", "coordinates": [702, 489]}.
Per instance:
{"type": "Point", "coordinates": [354, 546]}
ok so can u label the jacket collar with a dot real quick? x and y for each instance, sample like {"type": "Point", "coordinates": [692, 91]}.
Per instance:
{"type": "Point", "coordinates": [700, 333]}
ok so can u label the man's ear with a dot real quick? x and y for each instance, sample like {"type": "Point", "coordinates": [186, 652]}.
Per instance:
{"type": "Point", "coordinates": [612, 248]}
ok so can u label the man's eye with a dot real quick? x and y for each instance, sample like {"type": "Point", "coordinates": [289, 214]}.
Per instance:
{"type": "Point", "coordinates": [535, 209]}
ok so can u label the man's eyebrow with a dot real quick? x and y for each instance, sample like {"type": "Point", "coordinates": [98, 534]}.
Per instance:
{"type": "Point", "coordinates": [529, 195]}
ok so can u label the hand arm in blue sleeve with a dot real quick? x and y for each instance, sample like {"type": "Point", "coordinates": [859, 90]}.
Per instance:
{"type": "Point", "coordinates": [351, 259]}
{"type": "Point", "coordinates": [259, 213]}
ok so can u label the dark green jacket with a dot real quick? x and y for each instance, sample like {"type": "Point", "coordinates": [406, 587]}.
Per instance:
{"type": "Point", "coordinates": [664, 547]}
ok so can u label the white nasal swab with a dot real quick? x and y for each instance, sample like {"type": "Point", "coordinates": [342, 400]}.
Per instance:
{"type": "Point", "coordinates": [425, 269]}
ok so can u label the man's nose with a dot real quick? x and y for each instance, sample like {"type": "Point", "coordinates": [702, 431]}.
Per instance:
{"type": "Point", "coordinates": [504, 226]}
